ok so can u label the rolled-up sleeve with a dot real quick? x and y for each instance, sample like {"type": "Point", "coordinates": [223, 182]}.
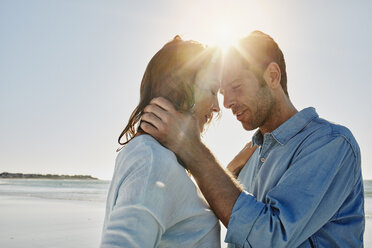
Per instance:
{"type": "Point", "coordinates": [307, 196]}
{"type": "Point", "coordinates": [245, 212]}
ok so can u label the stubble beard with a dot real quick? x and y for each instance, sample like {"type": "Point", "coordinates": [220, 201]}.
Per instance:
{"type": "Point", "coordinates": [264, 108]}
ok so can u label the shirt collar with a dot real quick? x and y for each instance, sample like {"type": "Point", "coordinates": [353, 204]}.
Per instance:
{"type": "Point", "coordinates": [257, 138]}
{"type": "Point", "coordinates": [289, 128]}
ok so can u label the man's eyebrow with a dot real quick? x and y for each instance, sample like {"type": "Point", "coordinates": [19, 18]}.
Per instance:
{"type": "Point", "coordinates": [232, 82]}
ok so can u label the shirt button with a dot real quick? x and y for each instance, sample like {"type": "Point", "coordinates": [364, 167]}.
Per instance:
{"type": "Point", "coordinates": [263, 160]}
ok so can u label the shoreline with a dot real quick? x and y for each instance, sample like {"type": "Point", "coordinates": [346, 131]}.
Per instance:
{"type": "Point", "coordinates": [8, 175]}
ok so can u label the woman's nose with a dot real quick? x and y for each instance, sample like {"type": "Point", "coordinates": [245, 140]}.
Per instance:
{"type": "Point", "coordinates": [216, 106]}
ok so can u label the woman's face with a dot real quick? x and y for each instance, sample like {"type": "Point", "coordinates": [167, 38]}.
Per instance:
{"type": "Point", "coordinates": [207, 84]}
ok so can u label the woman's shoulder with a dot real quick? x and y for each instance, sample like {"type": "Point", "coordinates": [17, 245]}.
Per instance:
{"type": "Point", "coordinates": [146, 150]}
{"type": "Point", "coordinates": [146, 145]}
{"type": "Point", "coordinates": [146, 161]}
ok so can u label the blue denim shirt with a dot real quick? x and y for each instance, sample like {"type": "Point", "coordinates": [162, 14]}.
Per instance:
{"type": "Point", "coordinates": [303, 188]}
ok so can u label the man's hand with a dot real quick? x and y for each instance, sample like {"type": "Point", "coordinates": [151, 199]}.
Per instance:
{"type": "Point", "coordinates": [177, 131]}
{"type": "Point", "coordinates": [237, 164]}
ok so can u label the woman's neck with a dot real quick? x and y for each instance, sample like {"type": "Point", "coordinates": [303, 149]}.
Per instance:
{"type": "Point", "coordinates": [139, 132]}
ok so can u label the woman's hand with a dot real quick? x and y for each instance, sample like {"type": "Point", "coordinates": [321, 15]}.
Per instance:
{"type": "Point", "coordinates": [237, 164]}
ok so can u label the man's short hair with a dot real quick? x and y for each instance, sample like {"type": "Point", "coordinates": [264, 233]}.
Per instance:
{"type": "Point", "coordinates": [259, 50]}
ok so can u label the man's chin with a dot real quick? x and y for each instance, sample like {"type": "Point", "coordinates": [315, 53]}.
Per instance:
{"type": "Point", "coordinates": [248, 127]}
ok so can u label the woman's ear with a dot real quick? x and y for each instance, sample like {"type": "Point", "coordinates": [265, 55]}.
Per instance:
{"type": "Point", "coordinates": [272, 75]}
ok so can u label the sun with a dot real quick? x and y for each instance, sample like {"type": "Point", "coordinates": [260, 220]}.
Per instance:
{"type": "Point", "coordinates": [225, 36]}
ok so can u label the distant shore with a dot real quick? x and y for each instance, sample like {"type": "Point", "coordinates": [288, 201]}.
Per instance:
{"type": "Point", "coordinates": [8, 175]}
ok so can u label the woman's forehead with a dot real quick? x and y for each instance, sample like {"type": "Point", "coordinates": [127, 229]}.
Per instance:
{"type": "Point", "coordinates": [209, 75]}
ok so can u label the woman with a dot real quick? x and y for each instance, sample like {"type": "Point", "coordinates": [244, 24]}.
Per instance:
{"type": "Point", "coordinates": [152, 202]}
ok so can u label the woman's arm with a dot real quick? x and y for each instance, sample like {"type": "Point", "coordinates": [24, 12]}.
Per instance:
{"type": "Point", "coordinates": [238, 162]}
{"type": "Point", "coordinates": [131, 226]}
{"type": "Point", "coordinates": [132, 221]}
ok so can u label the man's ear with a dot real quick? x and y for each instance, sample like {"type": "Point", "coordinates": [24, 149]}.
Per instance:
{"type": "Point", "coordinates": [272, 75]}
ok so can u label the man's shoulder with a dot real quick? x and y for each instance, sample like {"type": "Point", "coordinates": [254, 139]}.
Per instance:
{"type": "Point", "coordinates": [322, 129]}
{"type": "Point", "coordinates": [329, 127]}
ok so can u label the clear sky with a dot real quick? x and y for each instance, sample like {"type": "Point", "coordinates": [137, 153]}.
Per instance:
{"type": "Point", "coordinates": [70, 71]}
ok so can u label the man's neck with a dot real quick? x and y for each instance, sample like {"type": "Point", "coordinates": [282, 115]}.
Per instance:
{"type": "Point", "coordinates": [281, 112]}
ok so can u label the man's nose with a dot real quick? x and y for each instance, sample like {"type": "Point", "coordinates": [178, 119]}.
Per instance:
{"type": "Point", "coordinates": [228, 101]}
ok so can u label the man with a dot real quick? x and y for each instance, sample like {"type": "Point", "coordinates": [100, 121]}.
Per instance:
{"type": "Point", "coordinates": [302, 186]}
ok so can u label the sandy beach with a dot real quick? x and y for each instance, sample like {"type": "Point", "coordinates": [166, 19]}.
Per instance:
{"type": "Point", "coordinates": [35, 222]}
{"type": "Point", "coordinates": [29, 221]}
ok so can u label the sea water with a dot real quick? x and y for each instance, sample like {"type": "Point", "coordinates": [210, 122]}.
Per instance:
{"type": "Point", "coordinates": [79, 190]}
{"type": "Point", "coordinates": [368, 198]}
{"type": "Point", "coordinates": [92, 190]}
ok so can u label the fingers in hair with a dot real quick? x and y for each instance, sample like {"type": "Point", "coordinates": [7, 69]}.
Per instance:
{"type": "Point", "coordinates": [163, 103]}
{"type": "Point", "coordinates": [152, 119]}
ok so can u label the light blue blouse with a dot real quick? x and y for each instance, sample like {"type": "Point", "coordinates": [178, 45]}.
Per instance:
{"type": "Point", "coordinates": [152, 202]}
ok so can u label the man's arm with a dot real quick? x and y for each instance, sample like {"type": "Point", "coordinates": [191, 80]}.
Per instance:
{"type": "Point", "coordinates": [218, 186]}
{"type": "Point", "coordinates": [179, 132]}
{"type": "Point", "coordinates": [306, 197]}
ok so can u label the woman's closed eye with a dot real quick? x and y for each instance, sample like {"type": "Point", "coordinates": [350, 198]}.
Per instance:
{"type": "Point", "coordinates": [207, 89]}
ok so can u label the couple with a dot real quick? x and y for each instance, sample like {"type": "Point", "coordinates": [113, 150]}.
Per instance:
{"type": "Point", "coordinates": [301, 187]}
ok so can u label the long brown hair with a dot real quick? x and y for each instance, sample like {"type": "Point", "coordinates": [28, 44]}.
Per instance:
{"type": "Point", "coordinates": [170, 74]}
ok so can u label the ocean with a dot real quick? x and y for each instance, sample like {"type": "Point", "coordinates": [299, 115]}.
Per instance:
{"type": "Point", "coordinates": [88, 190]}
{"type": "Point", "coordinates": [368, 198]}
{"type": "Point", "coordinates": [74, 190]}
{"type": "Point", "coordinates": [368, 188]}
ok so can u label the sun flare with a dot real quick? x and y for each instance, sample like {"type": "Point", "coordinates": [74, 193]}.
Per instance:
{"type": "Point", "coordinates": [225, 36]}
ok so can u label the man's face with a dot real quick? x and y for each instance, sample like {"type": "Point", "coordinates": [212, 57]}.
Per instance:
{"type": "Point", "coordinates": [247, 95]}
